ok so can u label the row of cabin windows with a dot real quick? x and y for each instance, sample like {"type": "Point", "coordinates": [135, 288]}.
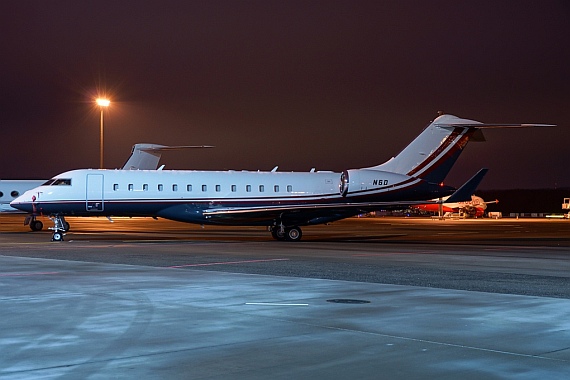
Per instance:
{"type": "Point", "coordinates": [204, 188]}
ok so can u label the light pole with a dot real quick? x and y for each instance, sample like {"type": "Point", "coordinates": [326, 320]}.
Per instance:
{"type": "Point", "coordinates": [102, 103]}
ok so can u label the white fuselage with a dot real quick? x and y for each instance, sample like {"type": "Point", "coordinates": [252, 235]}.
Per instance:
{"type": "Point", "coordinates": [188, 195]}
{"type": "Point", "coordinates": [189, 185]}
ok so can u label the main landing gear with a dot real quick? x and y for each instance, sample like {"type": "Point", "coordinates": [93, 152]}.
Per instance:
{"type": "Point", "coordinates": [59, 228]}
{"type": "Point", "coordinates": [283, 233]}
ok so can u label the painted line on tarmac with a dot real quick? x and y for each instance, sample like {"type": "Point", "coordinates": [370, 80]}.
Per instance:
{"type": "Point", "coordinates": [26, 274]}
{"type": "Point", "coordinates": [226, 263]}
{"type": "Point", "coordinates": [392, 253]}
{"type": "Point", "coordinates": [276, 304]}
{"type": "Point", "coordinates": [522, 248]}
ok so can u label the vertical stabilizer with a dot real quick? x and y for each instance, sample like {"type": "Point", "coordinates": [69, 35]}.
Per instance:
{"type": "Point", "coordinates": [147, 156]}
{"type": "Point", "coordinates": [144, 157]}
{"type": "Point", "coordinates": [431, 155]}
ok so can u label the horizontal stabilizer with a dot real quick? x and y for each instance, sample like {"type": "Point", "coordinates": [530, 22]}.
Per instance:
{"type": "Point", "coordinates": [160, 148]}
{"type": "Point", "coordinates": [463, 194]}
{"type": "Point", "coordinates": [493, 125]}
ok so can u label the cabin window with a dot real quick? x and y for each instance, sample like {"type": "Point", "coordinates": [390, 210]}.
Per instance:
{"type": "Point", "coordinates": [188, 187]}
{"type": "Point", "coordinates": [115, 187]}
{"type": "Point", "coordinates": [234, 188]}
{"type": "Point", "coordinates": [261, 188]}
{"type": "Point", "coordinates": [145, 187]}
{"type": "Point", "coordinates": [204, 187]}
{"type": "Point", "coordinates": [175, 187]}
{"type": "Point", "coordinates": [160, 187]}
{"type": "Point", "coordinates": [14, 194]}
{"type": "Point", "coordinates": [130, 187]}
{"type": "Point", "coordinates": [248, 188]}
{"type": "Point", "coordinates": [1, 194]}
{"type": "Point", "coordinates": [289, 188]}
{"type": "Point", "coordinates": [218, 188]}
{"type": "Point", "coordinates": [276, 188]}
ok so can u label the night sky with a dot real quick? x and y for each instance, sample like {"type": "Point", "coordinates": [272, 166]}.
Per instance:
{"type": "Point", "coordinates": [327, 84]}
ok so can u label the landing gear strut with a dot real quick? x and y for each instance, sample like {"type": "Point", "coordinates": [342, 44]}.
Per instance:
{"type": "Point", "coordinates": [282, 233]}
{"type": "Point", "coordinates": [60, 226]}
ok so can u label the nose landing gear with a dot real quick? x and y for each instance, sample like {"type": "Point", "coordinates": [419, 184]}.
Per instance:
{"type": "Point", "coordinates": [59, 228]}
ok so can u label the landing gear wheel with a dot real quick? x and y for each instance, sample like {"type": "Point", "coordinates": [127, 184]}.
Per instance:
{"type": "Point", "coordinates": [65, 226]}
{"type": "Point", "coordinates": [278, 233]}
{"type": "Point", "coordinates": [57, 236]}
{"type": "Point", "coordinates": [36, 225]}
{"type": "Point", "coordinates": [293, 234]}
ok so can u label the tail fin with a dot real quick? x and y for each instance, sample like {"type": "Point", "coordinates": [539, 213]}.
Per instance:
{"type": "Point", "coordinates": [147, 156]}
{"type": "Point", "coordinates": [432, 154]}
{"type": "Point", "coordinates": [143, 157]}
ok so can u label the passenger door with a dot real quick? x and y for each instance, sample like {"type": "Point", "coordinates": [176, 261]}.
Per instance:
{"type": "Point", "coordinates": [94, 193]}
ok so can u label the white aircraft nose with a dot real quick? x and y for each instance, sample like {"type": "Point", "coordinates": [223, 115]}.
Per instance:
{"type": "Point", "coordinates": [23, 202]}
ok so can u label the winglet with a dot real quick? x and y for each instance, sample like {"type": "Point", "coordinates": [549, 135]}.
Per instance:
{"type": "Point", "coordinates": [464, 193]}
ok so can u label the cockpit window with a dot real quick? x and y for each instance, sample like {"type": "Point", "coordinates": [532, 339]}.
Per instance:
{"type": "Point", "coordinates": [58, 182]}
{"type": "Point", "coordinates": [61, 182]}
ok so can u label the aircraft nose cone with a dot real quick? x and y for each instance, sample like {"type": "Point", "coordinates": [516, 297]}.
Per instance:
{"type": "Point", "coordinates": [23, 202]}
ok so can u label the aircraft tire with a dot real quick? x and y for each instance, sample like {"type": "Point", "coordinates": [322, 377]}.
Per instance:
{"type": "Point", "coordinates": [277, 235]}
{"type": "Point", "coordinates": [36, 225]}
{"type": "Point", "coordinates": [57, 236]}
{"type": "Point", "coordinates": [293, 234]}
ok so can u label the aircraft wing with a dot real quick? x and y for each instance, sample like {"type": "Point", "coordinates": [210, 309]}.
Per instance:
{"type": "Point", "coordinates": [312, 207]}
{"type": "Point", "coordinates": [463, 194]}
{"type": "Point", "coordinates": [302, 214]}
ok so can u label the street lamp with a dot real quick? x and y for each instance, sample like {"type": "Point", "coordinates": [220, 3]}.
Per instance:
{"type": "Point", "coordinates": [102, 103]}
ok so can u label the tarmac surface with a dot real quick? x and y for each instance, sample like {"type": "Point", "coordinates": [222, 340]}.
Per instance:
{"type": "Point", "coordinates": [363, 298]}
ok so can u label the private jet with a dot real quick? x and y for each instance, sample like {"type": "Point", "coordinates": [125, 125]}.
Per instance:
{"type": "Point", "coordinates": [281, 201]}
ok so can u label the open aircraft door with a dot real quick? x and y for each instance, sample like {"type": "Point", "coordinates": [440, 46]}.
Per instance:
{"type": "Point", "coordinates": [94, 193]}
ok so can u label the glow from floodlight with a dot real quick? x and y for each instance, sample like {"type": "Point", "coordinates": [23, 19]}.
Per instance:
{"type": "Point", "coordinates": [103, 102]}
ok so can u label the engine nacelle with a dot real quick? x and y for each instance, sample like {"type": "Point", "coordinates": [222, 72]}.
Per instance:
{"type": "Point", "coordinates": [358, 180]}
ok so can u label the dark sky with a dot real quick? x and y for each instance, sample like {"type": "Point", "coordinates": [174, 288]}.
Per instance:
{"type": "Point", "coordinates": [299, 84]}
